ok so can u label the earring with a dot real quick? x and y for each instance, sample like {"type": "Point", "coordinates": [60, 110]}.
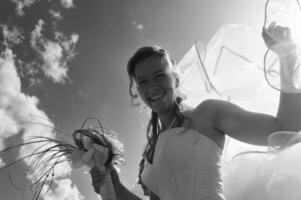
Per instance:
{"type": "Point", "coordinates": [135, 102]}
{"type": "Point", "coordinates": [177, 83]}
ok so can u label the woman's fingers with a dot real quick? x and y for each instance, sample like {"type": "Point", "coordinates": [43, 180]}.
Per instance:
{"type": "Point", "coordinates": [268, 38]}
{"type": "Point", "coordinates": [272, 25]}
{"type": "Point", "coordinates": [278, 38]}
{"type": "Point", "coordinates": [99, 148]}
{"type": "Point", "coordinates": [278, 33]}
{"type": "Point", "coordinates": [88, 155]}
{"type": "Point", "coordinates": [100, 156]}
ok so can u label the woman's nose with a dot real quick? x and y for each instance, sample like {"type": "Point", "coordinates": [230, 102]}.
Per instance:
{"type": "Point", "coordinates": [152, 86]}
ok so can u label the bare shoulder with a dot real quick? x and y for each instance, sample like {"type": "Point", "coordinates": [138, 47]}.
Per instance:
{"type": "Point", "coordinates": [203, 117]}
{"type": "Point", "coordinates": [204, 112]}
{"type": "Point", "coordinates": [213, 108]}
{"type": "Point", "coordinates": [208, 108]}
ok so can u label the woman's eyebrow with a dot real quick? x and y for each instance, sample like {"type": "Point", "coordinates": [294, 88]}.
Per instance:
{"type": "Point", "coordinates": [159, 71]}
{"type": "Point", "coordinates": [137, 78]}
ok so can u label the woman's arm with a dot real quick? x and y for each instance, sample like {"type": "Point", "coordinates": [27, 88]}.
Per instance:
{"type": "Point", "coordinates": [121, 192]}
{"type": "Point", "coordinates": [254, 127]}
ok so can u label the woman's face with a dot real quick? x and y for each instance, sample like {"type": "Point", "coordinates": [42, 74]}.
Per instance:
{"type": "Point", "coordinates": [156, 84]}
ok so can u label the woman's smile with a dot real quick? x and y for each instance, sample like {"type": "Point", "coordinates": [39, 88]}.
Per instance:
{"type": "Point", "coordinates": [156, 97]}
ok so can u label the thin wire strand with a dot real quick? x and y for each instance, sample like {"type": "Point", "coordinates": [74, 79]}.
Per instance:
{"type": "Point", "coordinates": [249, 152]}
{"type": "Point", "coordinates": [90, 118]}
{"type": "Point", "coordinates": [48, 120]}
{"type": "Point", "coordinates": [22, 144]}
{"type": "Point", "coordinates": [205, 71]}
{"type": "Point", "coordinates": [60, 131]}
{"type": "Point", "coordinates": [268, 50]}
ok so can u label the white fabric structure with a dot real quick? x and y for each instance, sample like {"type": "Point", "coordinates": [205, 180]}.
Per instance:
{"type": "Point", "coordinates": [236, 66]}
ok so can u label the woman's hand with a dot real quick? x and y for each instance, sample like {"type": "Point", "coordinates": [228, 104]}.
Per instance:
{"type": "Point", "coordinates": [101, 173]}
{"type": "Point", "coordinates": [278, 39]}
{"type": "Point", "coordinates": [100, 156]}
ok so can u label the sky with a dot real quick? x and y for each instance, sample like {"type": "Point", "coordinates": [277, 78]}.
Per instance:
{"type": "Point", "coordinates": [65, 60]}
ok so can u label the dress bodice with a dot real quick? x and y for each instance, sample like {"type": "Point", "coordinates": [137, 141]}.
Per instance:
{"type": "Point", "coordinates": [186, 165]}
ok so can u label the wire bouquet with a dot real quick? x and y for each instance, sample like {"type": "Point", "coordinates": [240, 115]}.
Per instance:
{"type": "Point", "coordinates": [89, 140]}
{"type": "Point", "coordinates": [93, 147]}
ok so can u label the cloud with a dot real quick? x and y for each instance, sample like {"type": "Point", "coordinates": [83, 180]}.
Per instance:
{"type": "Point", "coordinates": [53, 66]}
{"type": "Point", "coordinates": [11, 36]}
{"type": "Point", "coordinates": [10, 87]}
{"type": "Point", "coordinates": [16, 106]}
{"type": "Point", "coordinates": [64, 191]}
{"type": "Point", "coordinates": [55, 14]}
{"type": "Point", "coordinates": [16, 114]}
{"type": "Point", "coordinates": [55, 54]}
{"type": "Point", "coordinates": [67, 3]}
{"type": "Point", "coordinates": [21, 4]}
{"type": "Point", "coordinates": [36, 34]}
{"type": "Point", "coordinates": [67, 43]}
{"type": "Point", "coordinates": [138, 26]}
{"type": "Point", "coordinates": [50, 51]}
{"type": "Point", "coordinates": [1, 163]}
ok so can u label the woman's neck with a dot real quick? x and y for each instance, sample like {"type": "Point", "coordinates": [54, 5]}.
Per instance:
{"type": "Point", "coordinates": [167, 119]}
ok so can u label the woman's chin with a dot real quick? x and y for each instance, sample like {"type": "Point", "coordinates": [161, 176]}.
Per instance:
{"type": "Point", "coordinates": [160, 110]}
{"type": "Point", "coordinates": [160, 107]}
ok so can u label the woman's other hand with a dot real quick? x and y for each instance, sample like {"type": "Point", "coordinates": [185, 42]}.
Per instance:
{"type": "Point", "coordinates": [278, 39]}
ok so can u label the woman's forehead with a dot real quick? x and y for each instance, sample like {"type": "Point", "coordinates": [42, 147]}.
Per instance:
{"type": "Point", "coordinates": [151, 65]}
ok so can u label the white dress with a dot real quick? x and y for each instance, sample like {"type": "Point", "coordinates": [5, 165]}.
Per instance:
{"type": "Point", "coordinates": [274, 175]}
{"type": "Point", "coordinates": [186, 166]}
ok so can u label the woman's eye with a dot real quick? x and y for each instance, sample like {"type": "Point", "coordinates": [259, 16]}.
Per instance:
{"type": "Point", "coordinates": [160, 76]}
{"type": "Point", "coordinates": [141, 82]}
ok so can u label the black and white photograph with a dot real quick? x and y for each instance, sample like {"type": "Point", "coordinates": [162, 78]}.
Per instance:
{"type": "Point", "coordinates": [150, 100]}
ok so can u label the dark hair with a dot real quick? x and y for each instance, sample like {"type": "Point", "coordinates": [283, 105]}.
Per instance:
{"type": "Point", "coordinates": [153, 125]}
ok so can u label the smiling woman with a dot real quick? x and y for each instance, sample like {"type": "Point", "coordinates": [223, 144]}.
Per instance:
{"type": "Point", "coordinates": [182, 159]}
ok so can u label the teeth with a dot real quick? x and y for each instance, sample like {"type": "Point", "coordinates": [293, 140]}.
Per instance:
{"type": "Point", "coordinates": [154, 98]}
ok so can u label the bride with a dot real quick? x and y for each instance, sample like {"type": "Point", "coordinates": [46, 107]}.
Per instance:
{"type": "Point", "coordinates": [182, 158]}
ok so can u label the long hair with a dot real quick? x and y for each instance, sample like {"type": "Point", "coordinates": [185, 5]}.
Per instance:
{"type": "Point", "coordinates": [153, 127]}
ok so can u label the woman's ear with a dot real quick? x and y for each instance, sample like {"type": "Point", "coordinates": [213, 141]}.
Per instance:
{"type": "Point", "coordinates": [173, 61]}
